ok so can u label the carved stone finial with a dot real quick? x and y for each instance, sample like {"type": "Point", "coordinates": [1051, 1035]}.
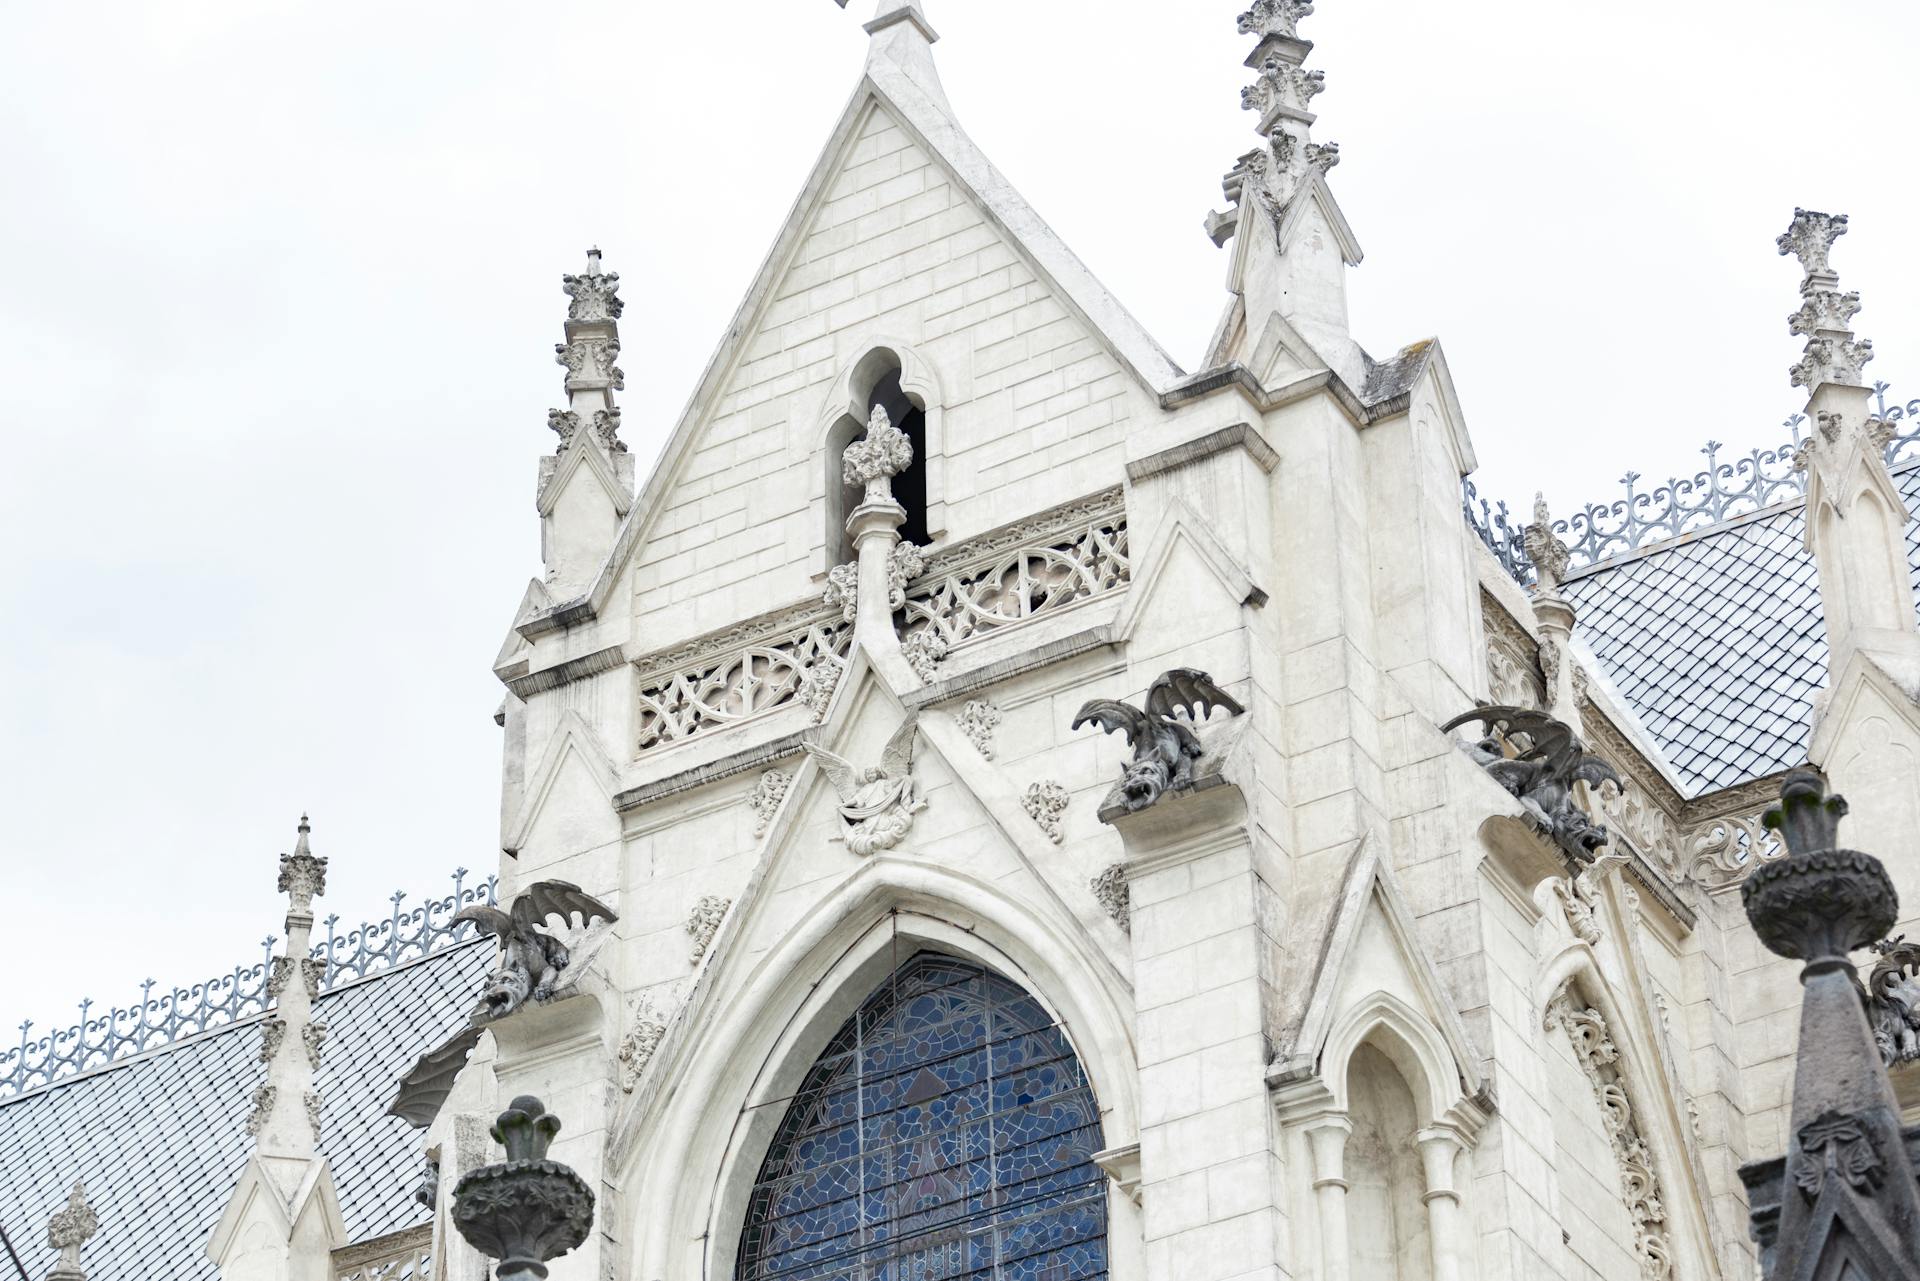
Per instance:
{"type": "Point", "coordinates": [68, 1231]}
{"type": "Point", "coordinates": [1810, 238]}
{"type": "Point", "coordinates": [877, 457]}
{"type": "Point", "coordinates": [1549, 555]}
{"type": "Point", "coordinates": [596, 294]}
{"type": "Point", "coordinates": [528, 1209]}
{"type": "Point", "coordinates": [303, 877]}
{"type": "Point", "coordinates": [1275, 18]}
{"type": "Point", "coordinates": [1807, 819]}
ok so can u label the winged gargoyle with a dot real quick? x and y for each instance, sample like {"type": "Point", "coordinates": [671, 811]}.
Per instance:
{"type": "Point", "coordinates": [1543, 775]}
{"type": "Point", "coordinates": [535, 965]}
{"type": "Point", "coordinates": [533, 959]}
{"type": "Point", "coordinates": [1893, 1001]}
{"type": "Point", "coordinates": [877, 804]}
{"type": "Point", "coordinates": [1164, 747]}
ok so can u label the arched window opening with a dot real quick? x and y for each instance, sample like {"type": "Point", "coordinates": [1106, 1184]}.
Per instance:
{"type": "Point", "coordinates": [879, 376]}
{"type": "Point", "coordinates": [947, 1131]}
{"type": "Point", "coordinates": [1387, 1228]}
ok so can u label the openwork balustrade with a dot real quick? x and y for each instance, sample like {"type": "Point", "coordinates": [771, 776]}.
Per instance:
{"type": "Point", "coordinates": [97, 1040]}
{"type": "Point", "coordinates": [403, 1256]}
{"type": "Point", "coordinates": [1728, 488]}
{"type": "Point", "coordinates": [1725, 850]}
{"type": "Point", "coordinates": [757, 667]}
{"type": "Point", "coordinates": [1070, 554]}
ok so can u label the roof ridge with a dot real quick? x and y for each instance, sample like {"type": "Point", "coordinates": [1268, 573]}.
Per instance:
{"type": "Point", "coordinates": [372, 947]}
{"type": "Point", "coordinates": [1726, 491]}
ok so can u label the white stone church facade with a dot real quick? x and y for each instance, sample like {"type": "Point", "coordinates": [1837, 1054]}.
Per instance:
{"type": "Point", "coordinates": [900, 986]}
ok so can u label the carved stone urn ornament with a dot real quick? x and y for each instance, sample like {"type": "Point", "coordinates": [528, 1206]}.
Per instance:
{"type": "Point", "coordinates": [526, 1210]}
{"type": "Point", "coordinates": [1164, 746]}
{"type": "Point", "coordinates": [1845, 1202]}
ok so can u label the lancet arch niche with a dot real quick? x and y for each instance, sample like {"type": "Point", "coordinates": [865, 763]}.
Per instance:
{"type": "Point", "coordinates": [946, 1130]}
{"type": "Point", "coordinates": [892, 378]}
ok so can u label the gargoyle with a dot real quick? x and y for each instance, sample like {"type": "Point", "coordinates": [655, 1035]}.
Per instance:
{"type": "Point", "coordinates": [877, 804]}
{"type": "Point", "coordinates": [1543, 775]}
{"type": "Point", "coordinates": [532, 958]}
{"type": "Point", "coordinates": [1164, 748]}
{"type": "Point", "coordinates": [1893, 1001]}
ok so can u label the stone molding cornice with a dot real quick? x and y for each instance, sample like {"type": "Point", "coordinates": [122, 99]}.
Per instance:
{"type": "Point", "coordinates": [573, 669]}
{"type": "Point", "coordinates": [1238, 436]}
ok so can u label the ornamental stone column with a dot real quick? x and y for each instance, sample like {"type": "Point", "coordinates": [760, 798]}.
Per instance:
{"type": "Point", "coordinates": [1440, 1148]}
{"type": "Point", "coordinates": [1555, 616]}
{"type": "Point", "coordinates": [1844, 1202]}
{"type": "Point", "coordinates": [875, 585]}
{"type": "Point", "coordinates": [1327, 1140]}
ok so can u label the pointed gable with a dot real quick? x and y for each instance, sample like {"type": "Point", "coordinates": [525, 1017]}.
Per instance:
{"type": "Point", "coordinates": [904, 236]}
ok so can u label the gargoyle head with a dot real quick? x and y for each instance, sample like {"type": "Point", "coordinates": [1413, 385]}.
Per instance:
{"type": "Point", "coordinates": [507, 990]}
{"type": "Point", "coordinates": [1144, 782]}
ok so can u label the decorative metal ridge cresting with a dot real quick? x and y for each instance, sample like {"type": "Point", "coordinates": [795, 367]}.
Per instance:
{"type": "Point", "coordinates": [1683, 505]}
{"type": "Point", "coordinates": [408, 934]}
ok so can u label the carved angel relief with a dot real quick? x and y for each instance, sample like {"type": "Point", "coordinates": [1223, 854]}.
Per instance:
{"type": "Point", "coordinates": [877, 804]}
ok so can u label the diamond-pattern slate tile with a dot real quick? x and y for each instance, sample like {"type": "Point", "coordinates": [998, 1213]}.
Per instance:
{"type": "Point", "coordinates": [160, 1139]}
{"type": "Point", "coordinates": [1718, 644]}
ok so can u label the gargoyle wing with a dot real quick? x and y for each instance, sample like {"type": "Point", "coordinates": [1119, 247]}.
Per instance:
{"type": "Point", "coordinates": [839, 771]}
{"type": "Point", "coordinates": [490, 919]}
{"type": "Point", "coordinates": [546, 899]}
{"type": "Point", "coordinates": [1115, 718]}
{"type": "Point", "coordinates": [1546, 735]}
{"type": "Point", "coordinates": [1593, 771]}
{"type": "Point", "coordinates": [1192, 689]}
{"type": "Point", "coordinates": [896, 758]}
{"type": "Point", "coordinates": [427, 1084]}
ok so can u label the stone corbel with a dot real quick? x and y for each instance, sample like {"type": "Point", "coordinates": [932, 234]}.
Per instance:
{"type": "Point", "coordinates": [1122, 1165]}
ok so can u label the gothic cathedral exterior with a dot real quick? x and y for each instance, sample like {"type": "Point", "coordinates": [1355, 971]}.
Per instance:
{"type": "Point", "coordinates": [1037, 812]}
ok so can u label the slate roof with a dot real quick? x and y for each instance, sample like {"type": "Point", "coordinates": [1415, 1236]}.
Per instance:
{"type": "Point", "coordinates": [1716, 641]}
{"type": "Point", "coordinates": [161, 1138]}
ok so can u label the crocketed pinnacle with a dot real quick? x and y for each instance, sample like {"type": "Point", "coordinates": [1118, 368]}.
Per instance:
{"type": "Point", "coordinates": [1833, 354]}
{"type": "Point", "coordinates": [592, 346]}
{"type": "Point", "coordinates": [1281, 95]}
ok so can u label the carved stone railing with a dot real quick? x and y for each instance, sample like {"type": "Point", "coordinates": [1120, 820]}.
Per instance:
{"type": "Point", "coordinates": [1033, 567]}
{"type": "Point", "coordinates": [399, 1256]}
{"type": "Point", "coordinates": [98, 1041]}
{"type": "Point", "coordinates": [727, 677]}
{"type": "Point", "coordinates": [1727, 489]}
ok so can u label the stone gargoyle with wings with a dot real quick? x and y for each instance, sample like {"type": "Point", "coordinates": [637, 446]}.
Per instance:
{"type": "Point", "coordinates": [877, 804]}
{"type": "Point", "coordinates": [1542, 776]}
{"type": "Point", "coordinates": [1164, 747]}
{"type": "Point", "coordinates": [534, 961]}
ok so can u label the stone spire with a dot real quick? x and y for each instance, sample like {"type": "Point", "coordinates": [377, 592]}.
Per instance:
{"type": "Point", "coordinates": [586, 484]}
{"type": "Point", "coordinates": [282, 1220]}
{"type": "Point", "coordinates": [285, 1121]}
{"type": "Point", "coordinates": [1848, 1201]}
{"type": "Point", "coordinates": [1291, 242]}
{"type": "Point", "coordinates": [1856, 520]}
{"type": "Point", "coordinates": [67, 1231]}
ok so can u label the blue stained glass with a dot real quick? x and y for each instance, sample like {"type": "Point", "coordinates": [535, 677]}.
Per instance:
{"type": "Point", "coordinates": [947, 1133]}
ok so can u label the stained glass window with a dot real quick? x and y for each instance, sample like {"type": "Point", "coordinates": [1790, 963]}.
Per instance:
{"type": "Point", "coordinates": [946, 1132]}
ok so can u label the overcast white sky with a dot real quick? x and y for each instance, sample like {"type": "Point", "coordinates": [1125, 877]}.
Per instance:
{"type": "Point", "coordinates": [279, 287]}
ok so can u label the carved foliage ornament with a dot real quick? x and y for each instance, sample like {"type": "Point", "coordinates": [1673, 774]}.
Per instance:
{"type": "Point", "coordinates": [74, 1225]}
{"type": "Point", "coordinates": [1111, 892]}
{"type": "Point", "coordinates": [1821, 902]}
{"type": "Point", "coordinates": [591, 360]}
{"type": "Point", "coordinates": [1164, 745]}
{"type": "Point", "coordinates": [766, 798]}
{"type": "Point", "coordinates": [526, 1210]}
{"type": "Point", "coordinates": [978, 720]}
{"type": "Point", "coordinates": [645, 1029]}
{"type": "Point", "coordinates": [596, 296]}
{"type": "Point", "coordinates": [1810, 238]}
{"type": "Point", "coordinates": [704, 923]}
{"type": "Point", "coordinates": [1046, 804]}
{"type": "Point", "coordinates": [1599, 1058]}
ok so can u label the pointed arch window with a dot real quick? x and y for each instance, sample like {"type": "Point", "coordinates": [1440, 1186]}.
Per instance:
{"type": "Point", "coordinates": [948, 1131]}
{"type": "Point", "coordinates": [876, 381]}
